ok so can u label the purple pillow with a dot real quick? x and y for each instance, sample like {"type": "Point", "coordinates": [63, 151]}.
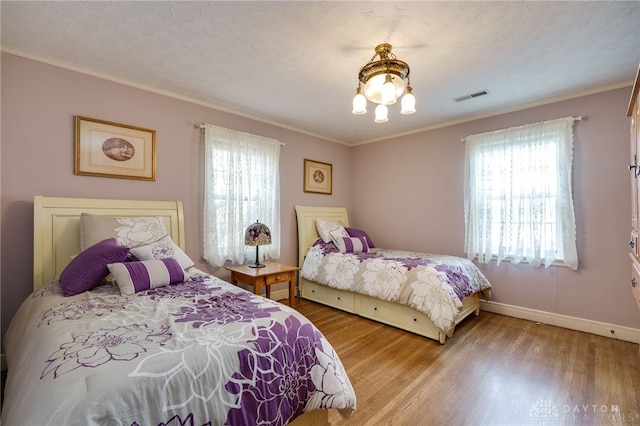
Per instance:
{"type": "Point", "coordinates": [133, 277]}
{"type": "Point", "coordinates": [87, 269]}
{"type": "Point", "coordinates": [352, 244]}
{"type": "Point", "coordinates": [353, 232]}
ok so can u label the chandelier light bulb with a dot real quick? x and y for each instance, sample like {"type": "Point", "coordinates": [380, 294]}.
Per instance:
{"type": "Point", "coordinates": [381, 114]}
{"type": "Point", "coordinates": [408, 102]}
{"type": "Point", "coordinates": [359, 103]}
{"type": "Point", "coordinates": [388, 91]}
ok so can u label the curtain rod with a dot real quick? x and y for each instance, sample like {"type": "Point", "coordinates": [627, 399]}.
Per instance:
{"type": "Point", "coordinates": [201, 127]}
{"type": "Point", "coordinates": [578, 118]}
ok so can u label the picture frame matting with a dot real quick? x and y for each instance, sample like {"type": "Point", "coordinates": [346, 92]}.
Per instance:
{"type": "Point", "coordinates": [318, 177]}
{"type": "Point", "coordinates": [108, 149]}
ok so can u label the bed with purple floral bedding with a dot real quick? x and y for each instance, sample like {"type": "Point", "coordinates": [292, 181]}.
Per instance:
{"type": "Point", "coordinates": [426, 294]}
{"type": "Point", "coordinates": [202, 352]}
{"type": "Point", "coordinates": [429, 283]}
{"type": "Point", "coordinates": [159, 343]}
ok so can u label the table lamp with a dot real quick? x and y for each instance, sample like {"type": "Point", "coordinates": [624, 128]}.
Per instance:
{"type": "Point", "coordinates": [257, 234]}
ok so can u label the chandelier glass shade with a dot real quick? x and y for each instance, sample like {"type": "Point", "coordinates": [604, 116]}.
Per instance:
{"type": "Point", "coordinates": [384, 80]}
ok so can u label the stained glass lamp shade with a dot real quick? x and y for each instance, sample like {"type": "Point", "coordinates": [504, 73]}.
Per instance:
{"type": "Point", "coordinates": [257, 234]}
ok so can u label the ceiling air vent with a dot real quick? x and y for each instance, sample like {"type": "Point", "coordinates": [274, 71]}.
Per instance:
{"type": "Point", "coordinates": [471, 96]}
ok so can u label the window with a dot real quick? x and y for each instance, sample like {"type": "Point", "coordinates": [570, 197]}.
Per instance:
{"type": "Point", "coordinates": [242, 185]}
{"type": "Point", "coordinates": [518, 202]}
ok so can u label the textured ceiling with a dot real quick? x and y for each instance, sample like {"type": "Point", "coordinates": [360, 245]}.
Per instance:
{"type": "Point", "coordinates": [295, 64]}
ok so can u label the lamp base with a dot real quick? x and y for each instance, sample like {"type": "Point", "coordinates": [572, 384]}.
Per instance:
{"type": "Point", "coordinates": [257, 263]}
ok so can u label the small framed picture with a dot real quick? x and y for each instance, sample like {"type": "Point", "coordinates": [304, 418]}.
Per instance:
{"type": "Point", "coordinates": [114, 150]}
{"type": "Point", "coordinates": [317, 177]}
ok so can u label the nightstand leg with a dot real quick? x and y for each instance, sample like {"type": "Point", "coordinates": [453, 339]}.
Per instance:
{"type": "Point", "coordinates": [292, 290]}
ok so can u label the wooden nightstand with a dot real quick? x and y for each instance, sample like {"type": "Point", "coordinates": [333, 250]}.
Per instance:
{"type": "Point", "coordinates": [272, 273]}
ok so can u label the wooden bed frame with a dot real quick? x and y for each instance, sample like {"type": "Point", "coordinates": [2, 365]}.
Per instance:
{"type": "Point", "coordinates": [389, 313]}
{"type": "Point", "coordinates": [56, 238]}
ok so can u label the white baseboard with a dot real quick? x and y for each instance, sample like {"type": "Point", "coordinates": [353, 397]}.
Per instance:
{"type": "Point", "coordinates": [614, 331]}
{"type": "Point", "coordinates": [588, 326]}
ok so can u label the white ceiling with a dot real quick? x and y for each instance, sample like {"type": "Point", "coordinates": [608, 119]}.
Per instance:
{"type": "Point", "coordinates": [295, 63]}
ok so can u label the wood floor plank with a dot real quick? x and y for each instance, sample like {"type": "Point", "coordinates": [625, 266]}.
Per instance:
{"type": "Point", "coordinates": [495, 370]}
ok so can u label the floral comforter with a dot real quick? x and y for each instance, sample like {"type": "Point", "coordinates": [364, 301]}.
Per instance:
{"type": "Point", "coordinates": [203, 352]}
{"type": "Point", "coordinates": [432, 284]}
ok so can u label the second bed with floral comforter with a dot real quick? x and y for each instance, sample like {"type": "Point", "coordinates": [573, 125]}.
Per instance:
{"type": "Point", "coordinates": [429, 283]}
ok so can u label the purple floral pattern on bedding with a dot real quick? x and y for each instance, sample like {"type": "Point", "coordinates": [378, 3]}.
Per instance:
{"type": "Point", "coordinates": [80, 309]}
{"type": "Point", "coordinates": [195, 287]}
{"type": "Point", "coordinates": [47, 289]}
{"type": "Point", "coordinates": [101, 346]}
{"type": "Point", "coordinates": [432, 284]}
{"type": "Point", "coordinates": [177, 420]}
{"type": "Point", "coordinates": [101, 300]}
{"type": "Point", "coordinates": [282, 368]}
{"type": "Point", "coordinates": [457, 279]}
{"type": "Point", "coordinates": [456, 276]}
{"type": "Point", "coordinates": [203, 352]}
{"type": "Point", "coordinates": [224, 309]}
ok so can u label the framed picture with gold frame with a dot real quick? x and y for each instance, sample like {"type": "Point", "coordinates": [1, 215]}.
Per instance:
{"type": "Point", "coordinates": [108, 149]}
{"type": "Point", "coordinates": [318, 177]}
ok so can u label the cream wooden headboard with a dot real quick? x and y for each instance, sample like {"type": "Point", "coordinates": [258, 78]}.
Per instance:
{"type": "Point", "coordinates": [307, 232]}
{"type": "Point", "coordinates": [56, 234]}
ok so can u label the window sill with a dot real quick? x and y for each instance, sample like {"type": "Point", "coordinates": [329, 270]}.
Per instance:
{"type": "Point", "coordinates": [556, 262]}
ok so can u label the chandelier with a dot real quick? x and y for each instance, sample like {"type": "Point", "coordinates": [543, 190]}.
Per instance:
{"type": "Point", "coordinates": [383, 82]}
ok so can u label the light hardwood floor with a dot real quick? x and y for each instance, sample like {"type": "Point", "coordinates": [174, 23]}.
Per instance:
{"type": "Point", "coordinates": [495, 370]}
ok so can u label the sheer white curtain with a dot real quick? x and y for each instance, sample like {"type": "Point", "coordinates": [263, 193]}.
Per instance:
{"type": "Point", "coordinates": [518, 201]}
{"type": "Point", "coordinates": [242, 185]}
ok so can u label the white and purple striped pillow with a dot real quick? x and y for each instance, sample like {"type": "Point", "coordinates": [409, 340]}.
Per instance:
{"type": "Point", "coordinates": [133, 277]}
{"type": "Point", "coordinates": [351, 244]}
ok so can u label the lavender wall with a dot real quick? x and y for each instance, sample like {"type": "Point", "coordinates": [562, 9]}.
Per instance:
{"type": "Point", "coordinates": [39, 103]}
{"type": "Point", "coordinates": [428, 167]}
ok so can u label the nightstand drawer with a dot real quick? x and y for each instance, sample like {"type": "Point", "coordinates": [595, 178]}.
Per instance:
{"type": "Point", "coordinates": [279, 278]}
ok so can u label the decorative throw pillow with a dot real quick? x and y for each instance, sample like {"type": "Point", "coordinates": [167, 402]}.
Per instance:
{"type": "Point", "coordinates": [353, 232]}
{"type": "Point", "coordinates": [133, 277]}
{"type": "Point", "coordinates": [88, 268]}
{"type": "Point", "coordinates": [324, 227]}
{"type": "Point", "coordinates": [352, 245]}
{"type": "Point", "coordinates": [162, 249]}
{"type": "Point", "coordinates": [128, 231]}
{"type": "Point", "coordinates": [338, 233]}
